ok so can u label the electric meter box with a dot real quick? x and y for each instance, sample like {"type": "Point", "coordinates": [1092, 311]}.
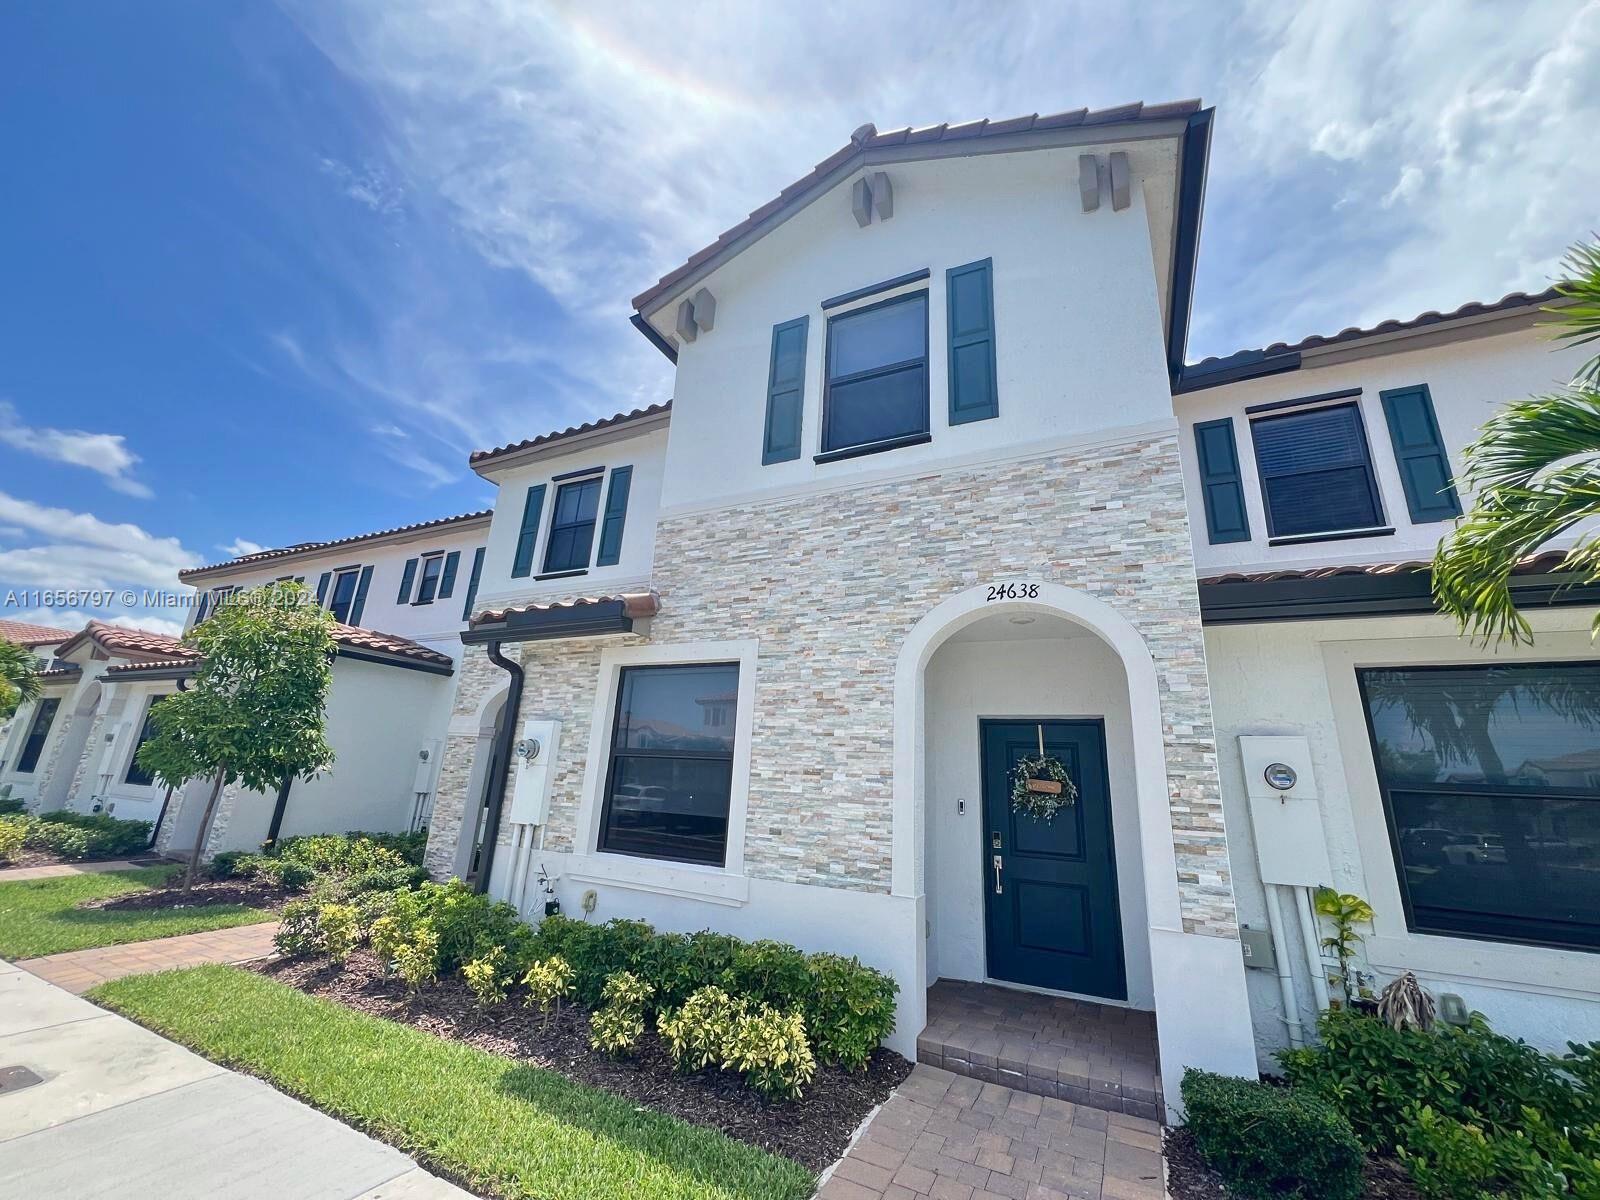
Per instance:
{"type": "Point", "coordinates": [534, 755]}
{"type": "Point", "coordinates": [1285, 817]}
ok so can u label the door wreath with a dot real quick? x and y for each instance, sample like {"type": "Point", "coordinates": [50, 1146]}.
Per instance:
{"type": "Point", "coordinates": [1040, 785]}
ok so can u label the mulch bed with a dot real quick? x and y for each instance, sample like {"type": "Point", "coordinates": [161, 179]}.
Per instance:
{"type": "Point", "coordinates": [813, 1131]}
{"type": "Point", "coordinates": [206, 893]}
{"type": "Point", "coordinates": [1188, 1177]}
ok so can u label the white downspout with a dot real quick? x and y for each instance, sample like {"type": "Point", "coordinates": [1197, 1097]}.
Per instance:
{"type": "Point", "coordinates": [1308, 935]}
{"type": "Point", "coordinates": [1280, 942]}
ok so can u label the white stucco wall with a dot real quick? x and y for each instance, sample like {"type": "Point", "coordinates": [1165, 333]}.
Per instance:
{"type": "Point", "coordinates": [1044, 676]}
{"type": "Point", "coordinates": [436, 625]}
{"type": "Point", "coordinates": [1076, 308]}
{"type": "Point", "coordinates": [1298, 677]}
{"type": "Point", "coordinates": [645, 452]}
{"type": "Point", "coordinates": [1469, 381]}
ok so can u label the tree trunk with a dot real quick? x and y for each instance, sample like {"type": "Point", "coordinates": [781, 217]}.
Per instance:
{"type": "Point", "coordinates": [205, 828]}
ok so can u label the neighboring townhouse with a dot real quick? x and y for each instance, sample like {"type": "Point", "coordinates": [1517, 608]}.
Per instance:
{"type": "Point", "coordinates": [935, 496]}
{"type": "Point", "coordinates": [399, 598]}
{"type": "Point", "coordinates": [41, 641]}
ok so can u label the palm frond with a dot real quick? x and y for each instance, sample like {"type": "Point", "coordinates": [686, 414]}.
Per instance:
{"type": "Point", "coordinates": [20, 673]}
{"type": "Point", "coordinates": [1578, 320]}
{"type": "Point", "coordinates": [1531, 436]}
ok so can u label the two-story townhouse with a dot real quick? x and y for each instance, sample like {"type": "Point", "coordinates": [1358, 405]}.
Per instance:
{"type": "Point", "coordinates": [1453, 785]}
{"type": "Point", "coordinates": [919, 517]}
{"type": "Point", "coordinates": [399, 597]}
{"type": "Point", "coordinates": [40, 641]}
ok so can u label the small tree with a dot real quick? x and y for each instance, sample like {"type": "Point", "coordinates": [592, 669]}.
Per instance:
{"type": "Point", "coordinates": [1536, 468]}
{"type": "Point", "coordinates": [19, 677]}
{"type": "Point", "coordinates": [254, 713]}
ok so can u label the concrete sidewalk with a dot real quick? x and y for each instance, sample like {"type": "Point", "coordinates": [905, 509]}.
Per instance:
{"type": "Point", "coordinates": [56, 870]}
{"type": "Point", "coordinates": [123, 1114]}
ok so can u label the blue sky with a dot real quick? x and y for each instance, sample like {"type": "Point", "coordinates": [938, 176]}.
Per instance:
{"type": "Point", "coordinates": [271, 272]}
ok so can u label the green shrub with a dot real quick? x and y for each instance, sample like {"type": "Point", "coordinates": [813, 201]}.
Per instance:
{"type": "Point", "coordinates": [75, 835]}
{"type": "Point", "coordinates": [485, 976]}
{"type": "Point", "coordinates": [298, 930]}
{"type": "Point", "coordinates": [385, 936]}
{"type": "Point", "coordinates": [339, 930]}
{"type": "Point", "coordinates": [12, 835]}
{"type": "Point", "coordinates": [1454, 1160]}
{"type": "Point", "coordinates": [548, 981]}
{"type": "Point", "coordinates": [770, 1048]}
{"type": "Point", "coordinates": [466, 924]}
{"type": "Point", "coordinates": [849, 1009]}
{"type": "Point", "coordinates": [1272, 1141]}
{"type": "Point", "coordinates": [699, 1032]}
{"type": "Point", "coordinates": [344, 854]}
{"type": "Point", "coordinates": [66, 840]}
{"type": "Point", "coordinates": [769, 972]}
{"type": "Point", "coordinates": [11, 804]}
{"type": "Point", "coordinates": [615, 1031]}
{"type": "Point", "coordinates": [416, 958]}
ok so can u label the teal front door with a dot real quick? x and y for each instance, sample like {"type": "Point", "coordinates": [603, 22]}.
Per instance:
{"type": "Point", "coordinates": [1050, 887]}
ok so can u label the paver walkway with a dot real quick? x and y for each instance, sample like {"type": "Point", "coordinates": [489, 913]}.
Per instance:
{"type": "Point", "coordinates": [120, 1113]}
{"type": "Point", "coordinates": [80, 970]}
{"type": "Point", "coordinates": [22, 874]}
{"type": "Point", "coordinates": [950, 1137]}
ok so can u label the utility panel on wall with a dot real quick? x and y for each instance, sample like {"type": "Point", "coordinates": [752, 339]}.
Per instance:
{"type": "Point", "coordinates": [1284, 814]}
{"type": "Point", "coordinates": [535, 756]}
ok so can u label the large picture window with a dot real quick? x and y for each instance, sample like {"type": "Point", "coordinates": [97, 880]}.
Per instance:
{"type": "Point", "coordinates": [137, 775]}
{"type": "Point", "coordinates": [43, 717]}
{"type": "Point", "coordinates": [572, 526]}
{"type": "Point", "coordinates": [1316, 472]}
{"type": "Point", "coordinates": [671, 763]}
{"type": "Point", "coordinates": [877, 386]}
{"type": "Point", "coordinates": [1491, 785]}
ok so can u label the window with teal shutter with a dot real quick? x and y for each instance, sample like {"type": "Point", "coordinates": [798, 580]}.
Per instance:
{"type": "Point", "coordinates": [969, 304]}
{"type": "Point", "coordinates": [1419, 453]}
{"type": "Point", "coordinates": [406, 577]}
{"type": "Point", "coordinates": [1221, 487]}
{"type": "Point", "coordinates": [361, 596]}
{"type": "Point", "coordinates": [615, 517]}
{"type": "Point", "coordinates": [447, 582]}
{"type": "Point", "coordinates": [786, 389]}
{"type": "Point", "coordinates": [532, 507]}
{"type": "Point", "coordinates": [472, 583]}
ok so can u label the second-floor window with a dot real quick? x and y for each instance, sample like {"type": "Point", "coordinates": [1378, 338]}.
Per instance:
{"type": "Point", "coordinates": [342, 596]}
{"type": "Point", "coordinates": [432, 567]}
{"type": "Point", "coordinates": [1316, 472]}
{"type": "Point", "coordinates": [572, 525]}
{"type": "Point", "coordinates": [877, 374]}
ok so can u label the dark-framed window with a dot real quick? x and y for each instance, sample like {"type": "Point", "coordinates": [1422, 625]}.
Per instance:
{"type": "Point", "coordinates": [572, 521]}
{"type": "Point", "coordinates": [876, 391]}
{"type": "Point", "coordinates": [432, 568]}
{"type": "Point", "coordinates": [342, 596]}
{"type": "Point", "coordinates": [1490, 777]}
{"type": "Point", "coordinates": [136, 774]}
{"type": "Point", "coordinates": [1316, 472]}
{"type": "Point", "coordinates": [44, 716]}
{"type": "Point", "coordinates": [670, 774]}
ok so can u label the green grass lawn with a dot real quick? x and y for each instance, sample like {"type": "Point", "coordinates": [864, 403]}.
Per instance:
{"type": "Point", "coordinates": [40, 916]}
{"type": "Point", "coordinates": [501, 1127]}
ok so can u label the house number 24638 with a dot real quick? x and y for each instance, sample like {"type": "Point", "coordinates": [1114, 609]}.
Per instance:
{"type": "Point", "coordinates": [1013, 591]}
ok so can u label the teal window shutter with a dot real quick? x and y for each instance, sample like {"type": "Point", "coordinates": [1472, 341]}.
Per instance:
{"type": "Point", "coordinates": [532, 508]}
{"type": "Point", "coordinates": [616, 515]}
{"type": "Point", "coordinates": [1220, 482]}
{"type": "Point", "coordinates": [786, 390]}
{"type": "Point", "coordinates": [447, 581]}
{"type": "Point", "coordinates": [969, 307]}
{"type": "Point", "coordinates": [472, 583]}
{"type": "Point", "coordinates": [205, 603]}
{"type": "Point", "coordinates": [361, 596]}
{"type": "Point", "coordinates": [406, 577]}
{"type": "Point", "coordinates": [322, 587]}
{"type": "Point", "coordinates": [1419, 453]}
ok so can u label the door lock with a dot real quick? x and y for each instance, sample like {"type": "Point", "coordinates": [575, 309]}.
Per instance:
{"type": "Point", "coordinates": [999, 866]}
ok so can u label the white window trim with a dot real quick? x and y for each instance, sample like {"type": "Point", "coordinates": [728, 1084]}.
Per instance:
{"type": "Point", "coordinates": [726, 884]}
{"type": "Point", "coordinates": [1392, 946]}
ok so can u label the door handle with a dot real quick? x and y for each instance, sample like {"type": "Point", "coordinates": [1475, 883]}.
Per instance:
{"type": "Point", "coordinates": [999, 866]}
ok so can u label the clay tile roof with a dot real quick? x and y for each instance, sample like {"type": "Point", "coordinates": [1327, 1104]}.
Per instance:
{"type": "Point", "coordinates": [121, 639]}
{"type": "Point", "coordinates": [22, 633]}
{"type": "Point", "coordinates": [154, 664]}
{"type": "Point", "coordinates": [1475, 308]}
{"type": "Point", "coordinates": [634, 604]}
{"type": "Point", "coordinates": [1544, 563]}
{"type": "Point", "coordinates": [545, 439]}
{"type": "Point", "coordinates": [868, 138]}
{"type": "Point", "coordinates": [310, 547]}
{"type": "Point", "coordinates": [64, 672]}
{"type": "Point", "coordinates": [388, 643]}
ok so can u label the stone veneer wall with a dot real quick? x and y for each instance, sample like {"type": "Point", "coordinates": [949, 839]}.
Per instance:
{"type": "Point", "coordinates": [831, 583]}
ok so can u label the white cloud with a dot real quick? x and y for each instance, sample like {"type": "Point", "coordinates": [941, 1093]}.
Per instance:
{"type": "Point", "coordinates": [240, 547]}
{"type": "Point", "coordinates": [106, 454]}
{"type": "Point", "coordinates": [76, 618]}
